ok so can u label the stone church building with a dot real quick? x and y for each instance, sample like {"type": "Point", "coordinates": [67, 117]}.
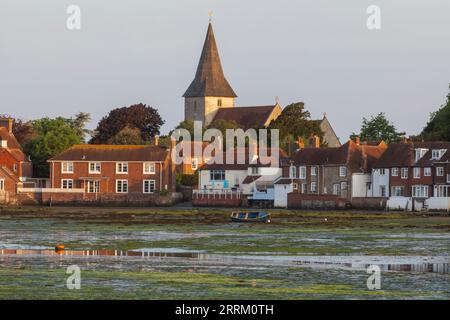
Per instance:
{"type": "Point", "coordinates": [210, 97]}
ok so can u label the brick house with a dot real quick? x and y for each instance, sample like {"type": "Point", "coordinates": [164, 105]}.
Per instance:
{"type": "Point", "coordinates": [413, 170]}
{"type": "Point", "coordinates": [15, 166]}
{"type": "Point", "coordinates": [326, 173]}
{"type": "Point", "coordinates": [113, 171]}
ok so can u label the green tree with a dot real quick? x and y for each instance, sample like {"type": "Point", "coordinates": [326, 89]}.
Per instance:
{"type": "Point", "coordinates": [293, 123]}
{"type": "Point", "coordinates": [140, 116]}
{"type": "Point", "coordinates": [438, 127]}
{"type": "Point", "coordinates": [379, 128]}
{"type": "Point", "coordinates": [127, 136]}
{"type": "Point", "coordinates": [52, 137]}
{"type": "Point", "coordinates": [78, 123]}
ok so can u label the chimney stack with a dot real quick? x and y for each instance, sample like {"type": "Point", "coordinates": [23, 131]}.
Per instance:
{"type": "Point", "coordinates": [7, 122]}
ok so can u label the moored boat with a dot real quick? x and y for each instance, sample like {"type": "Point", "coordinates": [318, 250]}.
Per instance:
{"type": "Point", "coordinates": [257, 216]}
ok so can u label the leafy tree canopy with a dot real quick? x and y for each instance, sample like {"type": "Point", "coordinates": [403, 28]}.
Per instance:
{"type": "Point", "coordinates": [438, 128]}
{"type": "Point", "coordinates": [127, 136]}
{"type": "Point", "coordinates": [140, 116]}
{"type": "Point", "coordinates": [379, 128]}
{"type": "Point", "coordinates": [293, 123]}
{"type": "Point", "coordinates": [52, 137]}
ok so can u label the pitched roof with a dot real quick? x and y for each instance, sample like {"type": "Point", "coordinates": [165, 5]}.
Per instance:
{"type": "Point", "coordinates": [10, 138]}
{"type": "Point", "coordinates": [238, 165]}
{"type": "Point", "coordinates": [402, 154]}
{"type": "Point", "coordinates": [246, 117]}
{"type": "Point", "coordinates": [250, 179]}
{"type": "Point", "coordinates": [209, 79]}
{"type": "Point", "coordinates": [355, 157]}
{"type": "Point", "coordinates": [86, 152]}
{"type": "Point", "coordinates": [8, 173]}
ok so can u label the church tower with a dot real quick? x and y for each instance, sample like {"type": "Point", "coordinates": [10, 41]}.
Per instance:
{"type": "Point", "coordinates": [209, 91]}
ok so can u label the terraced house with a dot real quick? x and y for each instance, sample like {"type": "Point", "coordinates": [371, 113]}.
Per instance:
{"type": "Point", "coordinates": [112, 173]}
{"type": "Point", "coordinates": [327, 177]}
{"type": "Point", "coordinates": [414, 175]}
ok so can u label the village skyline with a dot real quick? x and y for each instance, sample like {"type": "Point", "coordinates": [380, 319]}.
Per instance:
{"type": "Point", "coordinates": [88, 74]}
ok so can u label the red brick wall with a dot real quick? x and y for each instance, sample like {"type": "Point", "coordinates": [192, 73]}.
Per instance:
{"type": "Point", "coordinates": [135, 176]}
{"type": "Point", "coordinates": [217, 201]}
{"type": "Point", "coordinates": [306, 201]}
{"type": "Point", "coordinates": [7, 160]}
{"type": "Point", "coordinates": [10, 184]}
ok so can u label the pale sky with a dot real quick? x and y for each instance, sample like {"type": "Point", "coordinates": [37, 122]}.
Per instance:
{"type": "Point", "coordinates": [316, 51]}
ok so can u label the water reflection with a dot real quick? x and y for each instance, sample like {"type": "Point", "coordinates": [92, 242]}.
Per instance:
{"type": "Point", "coordinates": [313, 262]}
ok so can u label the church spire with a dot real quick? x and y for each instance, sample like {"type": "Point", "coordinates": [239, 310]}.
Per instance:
{"type": "Point", "coordinates": [209, 79]}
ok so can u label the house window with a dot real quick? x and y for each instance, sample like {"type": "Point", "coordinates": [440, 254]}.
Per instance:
{"type": "Point", "coordinates": [255, 170]}
{"type": "Point", "coordinates": [427, 172]}
{"type": "Point", "coordinates": [15, 167]}
{"type": "Point", "coordinates": [436, 154]}
{"type": "Point", "coordinates": [420, 153]}
{"type": "Point", "coordinates": [149, 186]}
{"type": "Point", "coordinates": [382, 172]}
{"type": "Point", "coordinates": [313, 171]}
{"type": "Point", "coordinates": [342, 171]}
{"type": "Point", "coordinates": [93, 186]}
{"type": "Point", "coordinates": [194, 164]}
{"type": "Point", "coordinates": [404, 173]}
{"type": "Point", "coordinates": [382, 191]}
{"type": "Point", "coordinates": [122, 167]}
{"type": "Point", "coordinates": [2, 184]}
{"type": "Point", "coordinates": [292, 172]}
{"type": "Point", "coordinates": [121, 186]}
{"type": "Point", "coordinates": [67, 183]}
{"type": "Point", "coordinates": [448, 177]}
{"type": "Point", "coordinates": [337, 189]}
{"type": "Point", "coordinates": [219, 102]}
{"type": "Point", "coordinates": [394, 172]}
{"type": "Point", "coordinates": [343, 185]}
{"type": "Point", "coordinates": [67, 167]}
{"type": "Point", "coordinates": [304, 188]}
{"type": "Point", "coordinates": [442, 191]}
{"type": "Point", "coordinates": [416, 173]}
{"type": "Point", "coordinates": [398, 191]}
{"type": "Point", "coordinates": [440, 171]}
{"type": "Point", "coordinates": [302, 172]}
{"type": "Point", "coordinates": [149, 168]}
{"type": "Point", "coordinates": [95, 167]}
{"type": "Point", "coordinates": [420, 191]}
{"type": "Point", "coordinates": [313, 187]}
{"type": "Point", "coordinates": [217, 175]}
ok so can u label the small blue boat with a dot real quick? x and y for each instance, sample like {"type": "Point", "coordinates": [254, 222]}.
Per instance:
{"type": "Point", "coordinates": [257, 216]}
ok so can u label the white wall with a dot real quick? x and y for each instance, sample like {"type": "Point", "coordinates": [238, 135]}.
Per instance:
{"type": "Point", "coordinates": [232, 176]}
{"type": "Point", "coordinates": [438, 203]}
{"type": "Point", "coordinates": [379, 180]}
{"type": "Point", "coordinates": [281, 192]}
{"type": "Point", "coordinates": [359, 185]}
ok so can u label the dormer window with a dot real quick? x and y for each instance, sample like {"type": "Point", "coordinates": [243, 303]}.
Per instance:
{"type": "Point", "coordinates": [420, 153]}
{"type": "Point", "coordinates": [436, 154]}
{"type": "Point", "coordinates": [4, 143]}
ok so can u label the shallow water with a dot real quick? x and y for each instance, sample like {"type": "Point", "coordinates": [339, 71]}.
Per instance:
{"type": "Point", "coordinates": [284, 261]}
